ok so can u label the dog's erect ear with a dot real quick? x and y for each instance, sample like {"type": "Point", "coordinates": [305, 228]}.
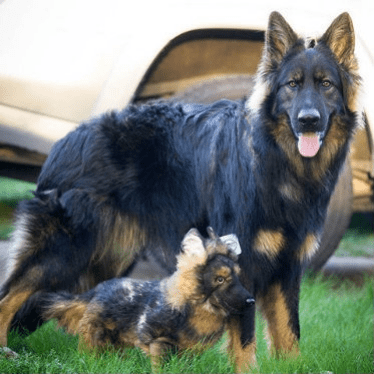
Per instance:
{"type": "Point", "coordinates": [279, 38]}
{"type": "Point", "coordinates": [193, 244]}
{"type": "Point", "coordinates": [211, 233]}
{"type": "Point", "coordinates": [232, 243]}
{"type": "Point", "coordinates": [340, 38]}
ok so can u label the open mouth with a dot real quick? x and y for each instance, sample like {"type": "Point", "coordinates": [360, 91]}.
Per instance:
{"type": "Point", "coordinates": [309, 143]}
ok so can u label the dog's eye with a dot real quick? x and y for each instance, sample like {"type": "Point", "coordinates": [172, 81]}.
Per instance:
{"type": "Point", "coordinates": [220, 279]}
{"type": "Point", "coordinates": [292, 84]}
{"type": "Point", "coordinates": [326, 83]}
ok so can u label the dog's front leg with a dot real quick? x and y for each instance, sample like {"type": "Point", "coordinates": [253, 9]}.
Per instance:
{"type": "Point", "coordinates": [242, 340]}
{"type": "Point", "coordinates": [156, 350]}
{"type": "Point", "coordinates": [280, 309]}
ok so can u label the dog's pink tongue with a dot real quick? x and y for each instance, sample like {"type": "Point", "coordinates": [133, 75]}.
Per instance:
{"type": "Point", "coordinates": [308, 144]}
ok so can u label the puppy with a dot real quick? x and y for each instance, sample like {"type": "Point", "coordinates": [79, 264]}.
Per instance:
{"type": "Point", "coordinates": [188, 309]}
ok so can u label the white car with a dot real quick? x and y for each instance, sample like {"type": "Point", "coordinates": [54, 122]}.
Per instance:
{"type": "Point", "coordinates": [62, 61]}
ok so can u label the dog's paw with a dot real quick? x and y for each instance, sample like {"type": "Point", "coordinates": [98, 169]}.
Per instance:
{"type": "Point", "coordinates": [8, 353]}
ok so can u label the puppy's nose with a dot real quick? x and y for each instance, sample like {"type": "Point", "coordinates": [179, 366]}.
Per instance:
{"type": "Point", "coordinates": [250, 301]}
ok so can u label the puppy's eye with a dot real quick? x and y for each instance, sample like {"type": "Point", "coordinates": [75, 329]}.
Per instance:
{"type": "Point", "coordinates": [220, 279]}
{"type": "Point", "coordinates": [292, 84]}
{"type": "Point", "coordinates": [326, 83]}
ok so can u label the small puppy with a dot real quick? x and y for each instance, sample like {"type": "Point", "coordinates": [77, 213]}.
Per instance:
{"type": "Point", "coordinates": [189, 308]}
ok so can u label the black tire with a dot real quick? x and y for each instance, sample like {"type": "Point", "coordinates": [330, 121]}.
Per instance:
{"type": "Point", "coordinates": [340, 207]}
{"type": "Point", "coordinates": [338, 218]}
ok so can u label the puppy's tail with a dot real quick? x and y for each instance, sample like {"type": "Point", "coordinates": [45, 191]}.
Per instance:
{"type": "Point", "coordinates": [67, 308]}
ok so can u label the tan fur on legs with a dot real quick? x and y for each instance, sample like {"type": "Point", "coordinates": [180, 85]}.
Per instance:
{"type": "Point", "coordinates": [9, 307]}
{"type": "Point", "coordinates": [156, 351]}
{"type": "Point", "coordinates": [84, 346]}
{"type": "Point", "coordinates": [243, 357]}
{"type": "Point", "coordinates": [276, 312]}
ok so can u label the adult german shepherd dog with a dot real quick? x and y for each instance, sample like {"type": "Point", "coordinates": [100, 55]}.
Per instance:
{"type": "Point", "coordinates": [140, 178]}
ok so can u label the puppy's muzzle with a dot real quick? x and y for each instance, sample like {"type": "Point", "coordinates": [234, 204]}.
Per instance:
{"type": "Point", "coordinates": [250, 301]}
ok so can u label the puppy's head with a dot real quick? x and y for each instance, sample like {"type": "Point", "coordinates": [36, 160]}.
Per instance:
{"type": "Point", "coordinates": [209, 267]}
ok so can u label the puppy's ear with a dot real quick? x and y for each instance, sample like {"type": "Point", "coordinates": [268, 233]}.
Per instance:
{"type": "Point", "coordinates": [232, 243]}
{"type": "Point", "coordinates": [193, 244]}
{"type": "Point", "coordinates": [211, 233]}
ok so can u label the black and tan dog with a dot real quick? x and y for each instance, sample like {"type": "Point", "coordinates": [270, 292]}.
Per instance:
{"type": "Point", "coordinates": [142, 177]}
{"type": "Point", "coordinates": [188, 309]}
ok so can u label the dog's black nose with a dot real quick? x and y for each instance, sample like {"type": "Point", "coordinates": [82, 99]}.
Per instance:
{"type": "Point", "coordinates": [250, 301]}
{"type": "Point", "coordinates": [308, 118]}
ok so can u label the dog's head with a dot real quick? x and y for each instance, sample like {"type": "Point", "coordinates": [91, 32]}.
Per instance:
{"type": "Point", "coordinates": [309, 86]}
{"type": "Point", "coordinates": [208, 268]}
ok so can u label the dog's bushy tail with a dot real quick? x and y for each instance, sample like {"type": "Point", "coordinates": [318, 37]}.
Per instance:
{"type": "Point", "coordinates": [66, 308]}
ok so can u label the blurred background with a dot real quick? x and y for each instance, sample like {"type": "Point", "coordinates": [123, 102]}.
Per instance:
{"type": "Point", "coordinates": [62, 62]}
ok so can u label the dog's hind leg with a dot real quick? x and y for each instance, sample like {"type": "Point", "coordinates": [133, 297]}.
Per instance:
{"type": "Point", "coordinates": [280, 310]}
{"type": "Point", "coordinates": [34, 271]}
{"type": "Point", "coordinates": [64, 262]}
{"type": "Point", "coordinates": [8, 307]}
{"type": "Point", "coordinates": [46, 256]}
{"type": "Point", "coordinates": [22, 279]}
{"type": "Point", "coordinates": [242, 341]}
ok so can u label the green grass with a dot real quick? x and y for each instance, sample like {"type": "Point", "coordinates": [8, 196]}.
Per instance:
{"type": "Point", "coordinates": [359, 238]}
{"type": "Point", "coordinates": [336, 328]}
{"type": "Point", "coordinates": [11, 192]}
{"type": "Point", "coordinates": [336, 324]}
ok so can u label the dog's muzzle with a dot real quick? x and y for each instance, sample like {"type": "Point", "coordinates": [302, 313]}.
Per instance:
{"type": "Point", "coordinates": [309, 138]}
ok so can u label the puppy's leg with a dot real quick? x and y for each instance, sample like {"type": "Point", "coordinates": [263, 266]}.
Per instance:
{"type": "Point", "coordinates": [156, 351]}
{"type": "Point", "coordinates": [242, 341]}
{"type": "Point", "coordinates": [280, 309]}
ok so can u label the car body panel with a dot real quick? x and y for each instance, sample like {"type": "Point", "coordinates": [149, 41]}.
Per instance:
{"type": "Point", "coordinates": [64, 61]}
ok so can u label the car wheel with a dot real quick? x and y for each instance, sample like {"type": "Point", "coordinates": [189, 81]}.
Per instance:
{"type": "Point", "coordinates": [338, 218]}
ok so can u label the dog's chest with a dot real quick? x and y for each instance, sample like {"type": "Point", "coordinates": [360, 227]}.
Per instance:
{"type": "Point", "coordinates": [203, 328]}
